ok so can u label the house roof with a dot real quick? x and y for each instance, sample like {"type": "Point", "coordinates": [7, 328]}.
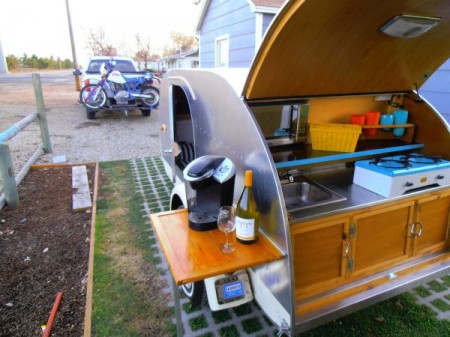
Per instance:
{"type": "Point", "coordinates": [259, 6]}
{"type": "Point", "coordinates": [193, 52]}
{"type": "Point", "coordinates": [267, 3]}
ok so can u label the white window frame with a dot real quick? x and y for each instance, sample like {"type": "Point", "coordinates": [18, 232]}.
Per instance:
{"type": "Point", "coordinates": [219, 53]}
{"type": "Point", "coordinates": [258, 30]}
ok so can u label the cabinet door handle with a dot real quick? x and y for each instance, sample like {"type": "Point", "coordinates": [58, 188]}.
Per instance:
{"type": "Point", "coordinates": [348, 246]}
{"type": "Point", "coordinates": [413, 229]}
{"type": "Point", "coordinates": [419, 234]}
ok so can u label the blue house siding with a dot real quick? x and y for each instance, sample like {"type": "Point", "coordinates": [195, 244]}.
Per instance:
{"type": "Point", "coordinates": [232, 18]}
{"type": "Point", "coordinates": [436, 90]}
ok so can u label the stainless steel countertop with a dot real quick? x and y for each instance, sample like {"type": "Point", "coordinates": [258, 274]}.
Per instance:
{"type": "Point", "coordinates": [340, 180]}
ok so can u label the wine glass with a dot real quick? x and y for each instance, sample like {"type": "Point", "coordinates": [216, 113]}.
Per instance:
{"type": "Point", "coordinates": [225, 222]}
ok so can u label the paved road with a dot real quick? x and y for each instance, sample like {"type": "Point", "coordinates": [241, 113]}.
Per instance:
{"type": "Point", "coordinates": [52, 76]}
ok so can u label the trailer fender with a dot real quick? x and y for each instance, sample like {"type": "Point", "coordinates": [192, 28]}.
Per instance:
{"type": "Point", "coordinates": [178, 197]}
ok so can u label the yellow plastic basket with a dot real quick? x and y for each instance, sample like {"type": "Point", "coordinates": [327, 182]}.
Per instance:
{"type": "Point", "coordinates": [334, 137]}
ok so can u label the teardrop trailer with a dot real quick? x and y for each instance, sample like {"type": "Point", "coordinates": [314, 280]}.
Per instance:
{"type": "Point", "coordinates": [345, 246]}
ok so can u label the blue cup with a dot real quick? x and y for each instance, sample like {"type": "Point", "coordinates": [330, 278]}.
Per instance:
{"type": "Point", "coordinates": [400, 117]}
{"type": "Point", "coordinates": [387, 119]}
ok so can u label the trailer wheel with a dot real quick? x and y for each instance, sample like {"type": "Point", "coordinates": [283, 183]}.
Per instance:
{"type": "Point", "coordinates": [146, 112]}
{"type": "Point", "coordinates": [195, 291]}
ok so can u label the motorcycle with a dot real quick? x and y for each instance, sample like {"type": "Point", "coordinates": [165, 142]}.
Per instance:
{"type": "Point", "coordinates": [115, 91]}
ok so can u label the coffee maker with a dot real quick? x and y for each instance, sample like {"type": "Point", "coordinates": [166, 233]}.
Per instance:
{"type": "Point", "coordinates": [209, 185]}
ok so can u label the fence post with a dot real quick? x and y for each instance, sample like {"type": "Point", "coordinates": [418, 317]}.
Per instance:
{"type": "Point", "coordinates": [9, 180]}
{"type": "Point", "coordinates": [41, 112]}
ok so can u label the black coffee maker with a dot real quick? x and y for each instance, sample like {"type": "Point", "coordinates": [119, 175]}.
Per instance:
{"type": "Point", "coordinates": [209, 185]}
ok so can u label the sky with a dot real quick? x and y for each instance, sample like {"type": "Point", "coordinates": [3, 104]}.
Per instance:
{"type": "Point", "coordinates": [41, 27]}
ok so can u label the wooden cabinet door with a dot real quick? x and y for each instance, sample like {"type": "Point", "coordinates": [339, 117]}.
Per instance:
{"type": "Point", "coordinates": [319, 255]}
{"type": "Point", "coordinates": [381, 238]}
{"type": "Point", "coordinates": [430, 231]}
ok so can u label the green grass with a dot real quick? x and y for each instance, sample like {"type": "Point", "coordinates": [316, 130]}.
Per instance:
{"type": "Point", "coordinates": [221, 316]}
{"type": "Point", "coordinates": [398, 316]}
{"type": "Point", "coordinates": [198, 323]}
{"type": "Point", "coordinates": [446, 280]}
{"type": "Point", "coordinates": [121, 306]}
{"type": "Point", "coordinates": [243, 309]}
{"type": "Point", "coordinates": [229, 331]}
{"type": "Point", "coordinates": [251, 325]}
{"type": "Point", "coordinates": [422, 291]}
{"type": "Point", "coordinates": [441, 305]}
{"type": "Point", "coordinates": [189, 308]}
{"type": "Point", "coordinates": [436, 286]}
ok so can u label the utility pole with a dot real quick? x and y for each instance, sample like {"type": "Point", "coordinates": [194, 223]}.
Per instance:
{"type": "Point", "coordinates": [3, 64]}
{"type": "Point", "coordinates": [76, 71]}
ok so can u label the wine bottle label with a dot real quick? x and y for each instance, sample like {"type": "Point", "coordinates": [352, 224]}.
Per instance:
{"type": "Point", "coordinates": [245, 228]}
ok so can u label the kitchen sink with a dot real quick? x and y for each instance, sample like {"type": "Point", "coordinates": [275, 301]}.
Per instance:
{"type": "Point", "coordinates": [306, 193]}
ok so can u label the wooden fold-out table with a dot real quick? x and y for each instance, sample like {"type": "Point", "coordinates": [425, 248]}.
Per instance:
{"type": "Point", "coordinates": [194, 255]}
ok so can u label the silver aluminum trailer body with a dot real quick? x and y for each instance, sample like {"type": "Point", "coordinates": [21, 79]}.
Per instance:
{"type": "Point", "coordinates": [219, 122]}
{"type": "Point", "coordinates": [338, 58]}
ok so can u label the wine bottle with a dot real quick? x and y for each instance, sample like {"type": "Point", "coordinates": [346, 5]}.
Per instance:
{"type": "Point", "coordinates": [247, 214]}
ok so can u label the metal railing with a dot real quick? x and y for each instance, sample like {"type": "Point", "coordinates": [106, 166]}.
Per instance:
{"type": "Point", "coordinates": [10, 193]}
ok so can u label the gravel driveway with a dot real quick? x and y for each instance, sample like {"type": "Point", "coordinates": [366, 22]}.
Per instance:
{"type": "Point", "coordinates": [111, 136]}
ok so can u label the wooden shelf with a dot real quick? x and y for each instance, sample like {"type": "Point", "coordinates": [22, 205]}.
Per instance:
{"type": "Point", "coordinates": [382, 133]}
{"type": "Point", "coordinates": [193, 255]}
{"type": "Point", "coordinates": [387, 126]}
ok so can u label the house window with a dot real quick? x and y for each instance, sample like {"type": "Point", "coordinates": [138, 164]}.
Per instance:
{"type": "Point", "coordinates": [222, 51]}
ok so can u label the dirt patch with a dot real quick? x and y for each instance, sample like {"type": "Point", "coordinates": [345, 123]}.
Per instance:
{"type": "Point", "coordinates": [45, 248]}
{"type": "Point", "coordinates": [110, 136]}
{"type": "Point", "coordinates": [44, 244]}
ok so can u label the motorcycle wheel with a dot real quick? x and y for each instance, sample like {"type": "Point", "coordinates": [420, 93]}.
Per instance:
{"type": "Point", "coordinates": [154, 99]}
{"type": "Point", "coordinates": [90, 114]}
{"type": "Point", "coordinates": [92, 96]}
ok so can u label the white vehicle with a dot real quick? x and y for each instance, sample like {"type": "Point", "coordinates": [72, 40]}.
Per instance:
{"type": "Point", "coordinates": [114, 83]}
{"type": "Point", "coordinates": [91, 73]}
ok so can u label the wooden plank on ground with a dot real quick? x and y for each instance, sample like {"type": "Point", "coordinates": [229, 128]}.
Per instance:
{"type": "Point", "coordinates": [81, 197]}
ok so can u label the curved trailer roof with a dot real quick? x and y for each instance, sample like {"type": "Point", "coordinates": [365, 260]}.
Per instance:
{"type": "Point", "coordinates": [330, 47]}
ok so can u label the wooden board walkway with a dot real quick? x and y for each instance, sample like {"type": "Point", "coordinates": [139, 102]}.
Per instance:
{"type": "Point", "coordinates": [81, 196]}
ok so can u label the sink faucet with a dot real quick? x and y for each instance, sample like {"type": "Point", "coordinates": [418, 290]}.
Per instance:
{"type": "Point", "coordinates": [286, 176]}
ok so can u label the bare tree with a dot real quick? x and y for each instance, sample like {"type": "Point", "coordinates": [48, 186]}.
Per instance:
{"type": "Point", "coordinates": [180, 44]}
{"type": "Point", "coordinates": [143, 52]}
{"type": "Point", "coordinates": [98, 45]}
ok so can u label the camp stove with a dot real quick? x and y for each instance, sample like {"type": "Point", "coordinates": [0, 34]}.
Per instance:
{"type": "Point", "coordinates": [401, 174]}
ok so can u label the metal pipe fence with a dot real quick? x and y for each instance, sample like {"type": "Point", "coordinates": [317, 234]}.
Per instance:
{"type": "Point", "coordinates": [10, 193]}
